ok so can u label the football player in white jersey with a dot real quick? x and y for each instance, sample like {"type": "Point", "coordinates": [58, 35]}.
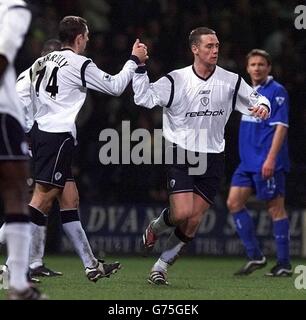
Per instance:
{"type": "Point", "coordinates": [197, 101]}
{"type": "Point", "coordinates": [39, 221]}
{"type": "Point", "coordinates": [15, 19]}
{"type": "Point", "coordinates": [59, 85]}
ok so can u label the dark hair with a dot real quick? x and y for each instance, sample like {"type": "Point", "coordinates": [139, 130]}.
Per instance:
{"type": "Point", "coordinates": [195, 35]}
{"type": "Point", "coordinates": [70, 27]}
{"type": "Point", "coordinates": [259, 52]}
{"type": "Point", "coordinates": [51, 45]}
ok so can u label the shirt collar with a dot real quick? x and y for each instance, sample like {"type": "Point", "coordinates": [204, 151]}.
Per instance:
{"type": "Point", "coordinates": [269, 79]}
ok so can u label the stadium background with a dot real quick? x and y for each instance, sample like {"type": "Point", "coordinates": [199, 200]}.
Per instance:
{"type": "Point", "coordinates": [117, 201]}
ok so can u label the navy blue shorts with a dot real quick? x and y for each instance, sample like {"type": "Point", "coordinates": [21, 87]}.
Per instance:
{"type": "Point", "coordinates": [13, 145]}
{"type": "Point", "coordinates": [206, 185]}
{"type": "Point", "coordinates": [52, 156]}
{"type": "Point", "coordinates": [266, 189]}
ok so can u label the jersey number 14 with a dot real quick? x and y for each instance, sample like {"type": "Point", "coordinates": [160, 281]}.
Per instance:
{"type": "Point", "coordinates": [52, 86]}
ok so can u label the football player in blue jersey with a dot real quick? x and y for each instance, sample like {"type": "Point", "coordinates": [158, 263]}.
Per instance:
{"type": "Point", "coordinates": [264, 163]}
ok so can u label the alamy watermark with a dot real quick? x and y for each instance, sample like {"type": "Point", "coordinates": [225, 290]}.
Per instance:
{"type": "Point", "coordinates": [300, 20]}
{"type": "Point", "coordinates": [4, 281]}
{"type": "Point", "coordinates": [141, 147]}
{"type": "Point", "coordinates": [300, 280]}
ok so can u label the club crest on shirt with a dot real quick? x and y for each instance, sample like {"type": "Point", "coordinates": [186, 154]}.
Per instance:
{"type": "Point", "coordinates": [255, 94]}
{"type": "Point", "coordinates": [57, 176]}
{"type": "Point", "coordinates": [172, 183]}
{"type": "Point", "coordinates": [204, 101]}
{"type": "Point", "coordinates": [107, 77]}
{"type": "Point", "coordinates": [280, 100]}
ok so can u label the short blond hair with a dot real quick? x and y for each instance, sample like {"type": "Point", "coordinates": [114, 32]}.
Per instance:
{"type": "Point", "coordinates": [259, 52]}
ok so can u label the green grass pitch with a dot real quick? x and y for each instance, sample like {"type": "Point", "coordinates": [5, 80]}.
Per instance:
{"type": "Point", "coordinates": [191, 278]}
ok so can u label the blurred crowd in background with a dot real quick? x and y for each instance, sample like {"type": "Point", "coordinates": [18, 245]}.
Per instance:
{"type": "Point", "coordinates": [164, 26]}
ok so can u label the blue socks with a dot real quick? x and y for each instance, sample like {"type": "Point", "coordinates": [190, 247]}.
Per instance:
{"type": "Point", "coordinates": [246, 231]}
{"type": "Point", "coordinates": [281, 234]}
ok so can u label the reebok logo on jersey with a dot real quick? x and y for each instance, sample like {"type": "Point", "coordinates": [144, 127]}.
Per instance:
{"type": "Point", "coordinates": [206, 113]}
{"type": "Point", "coordinates": [204, 92]}
{"type": "Point", "coordinates": [280, 100]}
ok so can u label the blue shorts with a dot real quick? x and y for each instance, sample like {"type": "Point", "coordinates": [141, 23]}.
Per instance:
{"type": "Point", "coordinates": [265, 189]}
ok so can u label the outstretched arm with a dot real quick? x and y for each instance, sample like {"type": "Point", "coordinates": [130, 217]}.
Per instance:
{"type": "Point", "coordinates": [99, 80]}
{"type": "Point", "coordinates": [250, 102]}
{"type": "Point", "coordinates": [149, 95]}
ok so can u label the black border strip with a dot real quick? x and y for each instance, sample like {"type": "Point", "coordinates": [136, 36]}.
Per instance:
{"type": "Point", "coordinates": [236, 92]}
{"type": "Point", "coordinates": [20, 78]}
{"type": "Point", "coordinates": [19, 7]}
{"type": "Point", "coordinates": [84, 66]}
{"type": "Point", "coordinates": [172, 91]}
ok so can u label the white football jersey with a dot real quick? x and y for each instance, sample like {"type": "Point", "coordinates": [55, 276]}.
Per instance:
{"type": "Point", "coordinates": [23, 88]}
{"type": "Point", "coordinates": [196, 110]}
{"type": "Point", "coordinates": [59, 85]}
{"type": "Point", "coordinates": [14, 22]}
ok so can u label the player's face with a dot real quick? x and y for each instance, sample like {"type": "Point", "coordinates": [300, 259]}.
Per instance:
{"type": "Point", "coordinates": [207, 49]}
{"type": "Point", "coordinates": [258, 69]}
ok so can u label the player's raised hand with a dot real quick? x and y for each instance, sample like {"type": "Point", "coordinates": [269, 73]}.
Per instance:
{"type": "Point", "coordinates": [261, 111]}
{"type": "Point", "coordinates": [140, 50]}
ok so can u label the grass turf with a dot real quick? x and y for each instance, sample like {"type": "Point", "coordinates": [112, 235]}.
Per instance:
{"type": "Point", "coordinates": [191, 278]}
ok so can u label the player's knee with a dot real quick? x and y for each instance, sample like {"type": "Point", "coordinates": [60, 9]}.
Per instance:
{"type": "Point", "coordinates": [196, 220]}
{"type": "Point", "coordinates": [234, 205]}
{"type": "Point", "coordinates": [69, 203]}
{"type": "Point", "coordinates": [180, 215]}
{"type": "Point", "coordinates": [277, 212]}
{"type": "Point", "coordinates": [42, 201]}
{"type": "Point", "coordinates": [76, 202]}
{"type": "Point", "coordinates": [44, 205]}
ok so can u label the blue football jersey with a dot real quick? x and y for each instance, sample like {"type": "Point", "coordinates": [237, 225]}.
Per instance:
{"type": "Point", "coordinates": [255, 135]}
